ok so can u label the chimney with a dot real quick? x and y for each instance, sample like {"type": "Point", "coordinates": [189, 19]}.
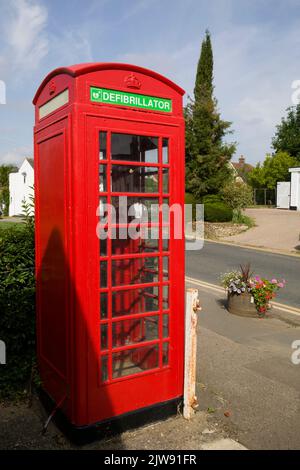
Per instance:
{"type": "Point", "coordinates": [242, 160]}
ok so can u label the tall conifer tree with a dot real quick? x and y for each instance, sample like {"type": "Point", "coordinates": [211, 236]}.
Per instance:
{"type": "Point", "coordinates": [207, 155]}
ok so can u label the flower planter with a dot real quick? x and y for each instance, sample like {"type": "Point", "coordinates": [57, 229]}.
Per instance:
{"type": "Point", "coordinates": [240, 304]}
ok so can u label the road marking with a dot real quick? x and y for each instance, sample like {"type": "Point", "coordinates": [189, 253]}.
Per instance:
{"type": "Point", "coordinates": [294, 254]}
{"type": "Point", "coordinates": [219, 289]}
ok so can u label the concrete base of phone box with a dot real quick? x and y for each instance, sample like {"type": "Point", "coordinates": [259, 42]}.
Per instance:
{"type": "Point", "coordinates": [81, 435]}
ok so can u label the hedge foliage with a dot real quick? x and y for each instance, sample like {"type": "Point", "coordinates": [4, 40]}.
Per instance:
{"type": "Point", "coordinates": [17, 307]}
{"type": "Point", "coordinates": [212, 198]}
{"type": "Point", "coordinates": [217, 212]}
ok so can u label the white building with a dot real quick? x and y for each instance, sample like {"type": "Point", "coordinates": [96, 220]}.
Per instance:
{"type": "Point", "coordinates": [295, 188]}
{"type": "Point", "coordinates": [21, 187]}
{"type": "Point", "coordinates": [288, 192]}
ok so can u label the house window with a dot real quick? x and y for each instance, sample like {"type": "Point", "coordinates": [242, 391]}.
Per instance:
{"type": "Point", "coordinates": [24, 177]}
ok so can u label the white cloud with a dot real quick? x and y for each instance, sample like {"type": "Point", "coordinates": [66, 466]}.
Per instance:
{"type": "Point", "coordinates": [25, 39]}
{"type": "Point", "coordinates": [76, 47]}
{"type": "Point", "coordinates": [179, 64]}
{"type": "Point", "coordinates": [16, 156]}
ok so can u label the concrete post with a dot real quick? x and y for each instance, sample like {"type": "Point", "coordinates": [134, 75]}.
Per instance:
{"type": "Point", "coordinates": [190, 399]}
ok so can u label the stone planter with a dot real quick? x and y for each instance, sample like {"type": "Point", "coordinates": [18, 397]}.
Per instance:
{"type": "Point", "coordinates": [241, 305]}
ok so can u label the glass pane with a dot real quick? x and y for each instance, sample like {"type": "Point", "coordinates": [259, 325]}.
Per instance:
{"type": "Point", "coordinates": [103, 306]}
{"type": "Point", "coordinates": [165, 211]}
{"type": "Point", "coordinates": [134, 148]}
{"type": "Point", "coordinates": [165, 151]}
{"type": "Point", "coordinates": [102, 145]}
{"type": "Point", "coordinates": [142, 209]}
{"type": "Point", "coordinates": [129, 302]}
{"type": "Point", "coordinates": [134, 361]}
{"type": "Point", "coordinates": [165, 358]}
{"type": "Point", "coordinates": [102, 178]}
{"type": "Point", "coordinates": [104, 368]}
{"type": "Point", "coordinates": [103, 247]}
{"type": "Point", "coordinates": [104, 337]}
{"type": "Point", "coordinates": [165, 267]}
{"type": "Point", "coordinates": [165, 326]}
{"type": "Point", "coordinates": [102, 210]}
{"type": "Point", "coordinates": [165, 180]}
{"type": "Point", "coordinates": [103, 274]}
{"type": "Point", "coordinates": [165, 297]}
{"type": "Point", "coordinates": [134, 271]}
{"type": "Point", "coordinates": [165, 236]}
{"type": "Point", "coordinates": [134, 179]}
{"type": "Point", "coordinates": [133, 331]}
{"type": "Point", "coordinates": [121, 246]}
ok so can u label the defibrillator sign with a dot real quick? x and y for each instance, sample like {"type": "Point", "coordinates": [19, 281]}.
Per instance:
{"type": "Point", "coordinates": [134, 100]}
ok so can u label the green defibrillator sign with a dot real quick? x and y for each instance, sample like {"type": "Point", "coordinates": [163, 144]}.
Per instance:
{"type": "Point", "coordinates": [134, 100]}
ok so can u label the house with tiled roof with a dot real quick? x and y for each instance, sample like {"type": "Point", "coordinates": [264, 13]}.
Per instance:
{"type": "Point", "coordinates": [241, 169]}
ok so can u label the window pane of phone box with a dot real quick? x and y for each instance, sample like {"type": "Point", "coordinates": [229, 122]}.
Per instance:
{"type": "Point", "coordinates": [135, 208]}
{"type": "Point", "coordinates": [133, 301]}
{"type": "Point", "coordinates": [134, 148]}
{"type": "Point", "coordinates": [134, 179]}
{"type": "Point", "coordinates": [135, 271]}
{"type": "Point", "coordinates": [142, 243]}
{"type": "Point", "coordinates": [135, 360]}
{"type": "Point", "coordinates": [136, 330]}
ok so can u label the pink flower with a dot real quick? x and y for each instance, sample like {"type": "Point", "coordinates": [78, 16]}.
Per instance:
{"type": "Point", "coordinates": [274, 281]}
{"type": "Point", "coordinates": [280, 284]}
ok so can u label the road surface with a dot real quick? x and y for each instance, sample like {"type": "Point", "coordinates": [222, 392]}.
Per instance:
{"type": "Point", "coordinates": [216, 258]}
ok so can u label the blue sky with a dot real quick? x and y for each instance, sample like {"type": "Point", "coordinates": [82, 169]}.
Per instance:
{"type": "Point", "coordinates": [256, 47]}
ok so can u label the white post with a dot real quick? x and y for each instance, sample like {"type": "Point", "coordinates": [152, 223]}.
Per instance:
{"type": "Point", "coordinates": [189, 398]}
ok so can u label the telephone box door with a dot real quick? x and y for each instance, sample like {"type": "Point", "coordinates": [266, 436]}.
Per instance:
{"type": "Point", "coordinates": [136, 268]}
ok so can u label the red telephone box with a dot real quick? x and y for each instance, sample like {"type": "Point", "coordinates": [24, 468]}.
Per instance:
{"type": "Point", "coordinates": [110, 312]}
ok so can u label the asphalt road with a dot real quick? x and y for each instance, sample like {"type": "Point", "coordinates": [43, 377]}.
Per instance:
{"type": "Point", "coordinates": [216, 258]}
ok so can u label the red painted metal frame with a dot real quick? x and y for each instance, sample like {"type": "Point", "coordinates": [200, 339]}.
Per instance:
{"type": "Point", "coordinates": [76, 348]}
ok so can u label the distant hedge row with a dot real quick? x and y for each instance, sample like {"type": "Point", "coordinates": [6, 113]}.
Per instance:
{"type": "Point", "coordinates": [215, 209]}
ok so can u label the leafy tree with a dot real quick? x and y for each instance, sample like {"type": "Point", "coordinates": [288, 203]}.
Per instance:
{"type": "Point", "coordinates": [4, 186]}
{"type": "Point", "coordinates": [238, 196]}
{"type": "Point", "coordinates": [274, 168]}
{"type": "Point", "coordinates": [287, 136]}
{"type": "Point", "coordinates": [207, 155]}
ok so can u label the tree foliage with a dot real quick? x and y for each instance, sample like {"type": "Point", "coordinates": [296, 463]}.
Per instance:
{"type": "Point", "coordinates": [287, 136]}
{"type": "Point", "coordinates": [4, 185]}
{"type": "Point", "coordinates": [237, 195]}
{"type": "Point", "coordinates": [273, 169]}
{"type": "Point", "coordinates": [207, 155]}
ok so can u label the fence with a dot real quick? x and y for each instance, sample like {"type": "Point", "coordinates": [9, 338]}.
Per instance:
{"type": "Point", "coordinates": [264, 197]}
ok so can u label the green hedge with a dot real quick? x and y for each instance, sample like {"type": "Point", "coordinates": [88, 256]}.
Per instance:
{"type": "Point", "coordinates": [217, 212]}
{"type": "Point", "coordinates": [17, 307]}
{"type": "Point", "coordinates": [189, 199]}
{"type": "Point", "coordinates": [212, 198]}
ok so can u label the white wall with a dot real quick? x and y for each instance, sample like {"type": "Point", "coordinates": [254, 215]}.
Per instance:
{"type": "Point", "coordinates": [295, 188]}
{"type": "Point", "coordinates": [20, 188]}
{"type": "Point", "coordinates": [283, 195]}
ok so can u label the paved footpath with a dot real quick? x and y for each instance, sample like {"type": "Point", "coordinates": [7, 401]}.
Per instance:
{"type": "Point", "coordinates": [275, 229]}
{"type": "Point", "coordinates": [246, 377]}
